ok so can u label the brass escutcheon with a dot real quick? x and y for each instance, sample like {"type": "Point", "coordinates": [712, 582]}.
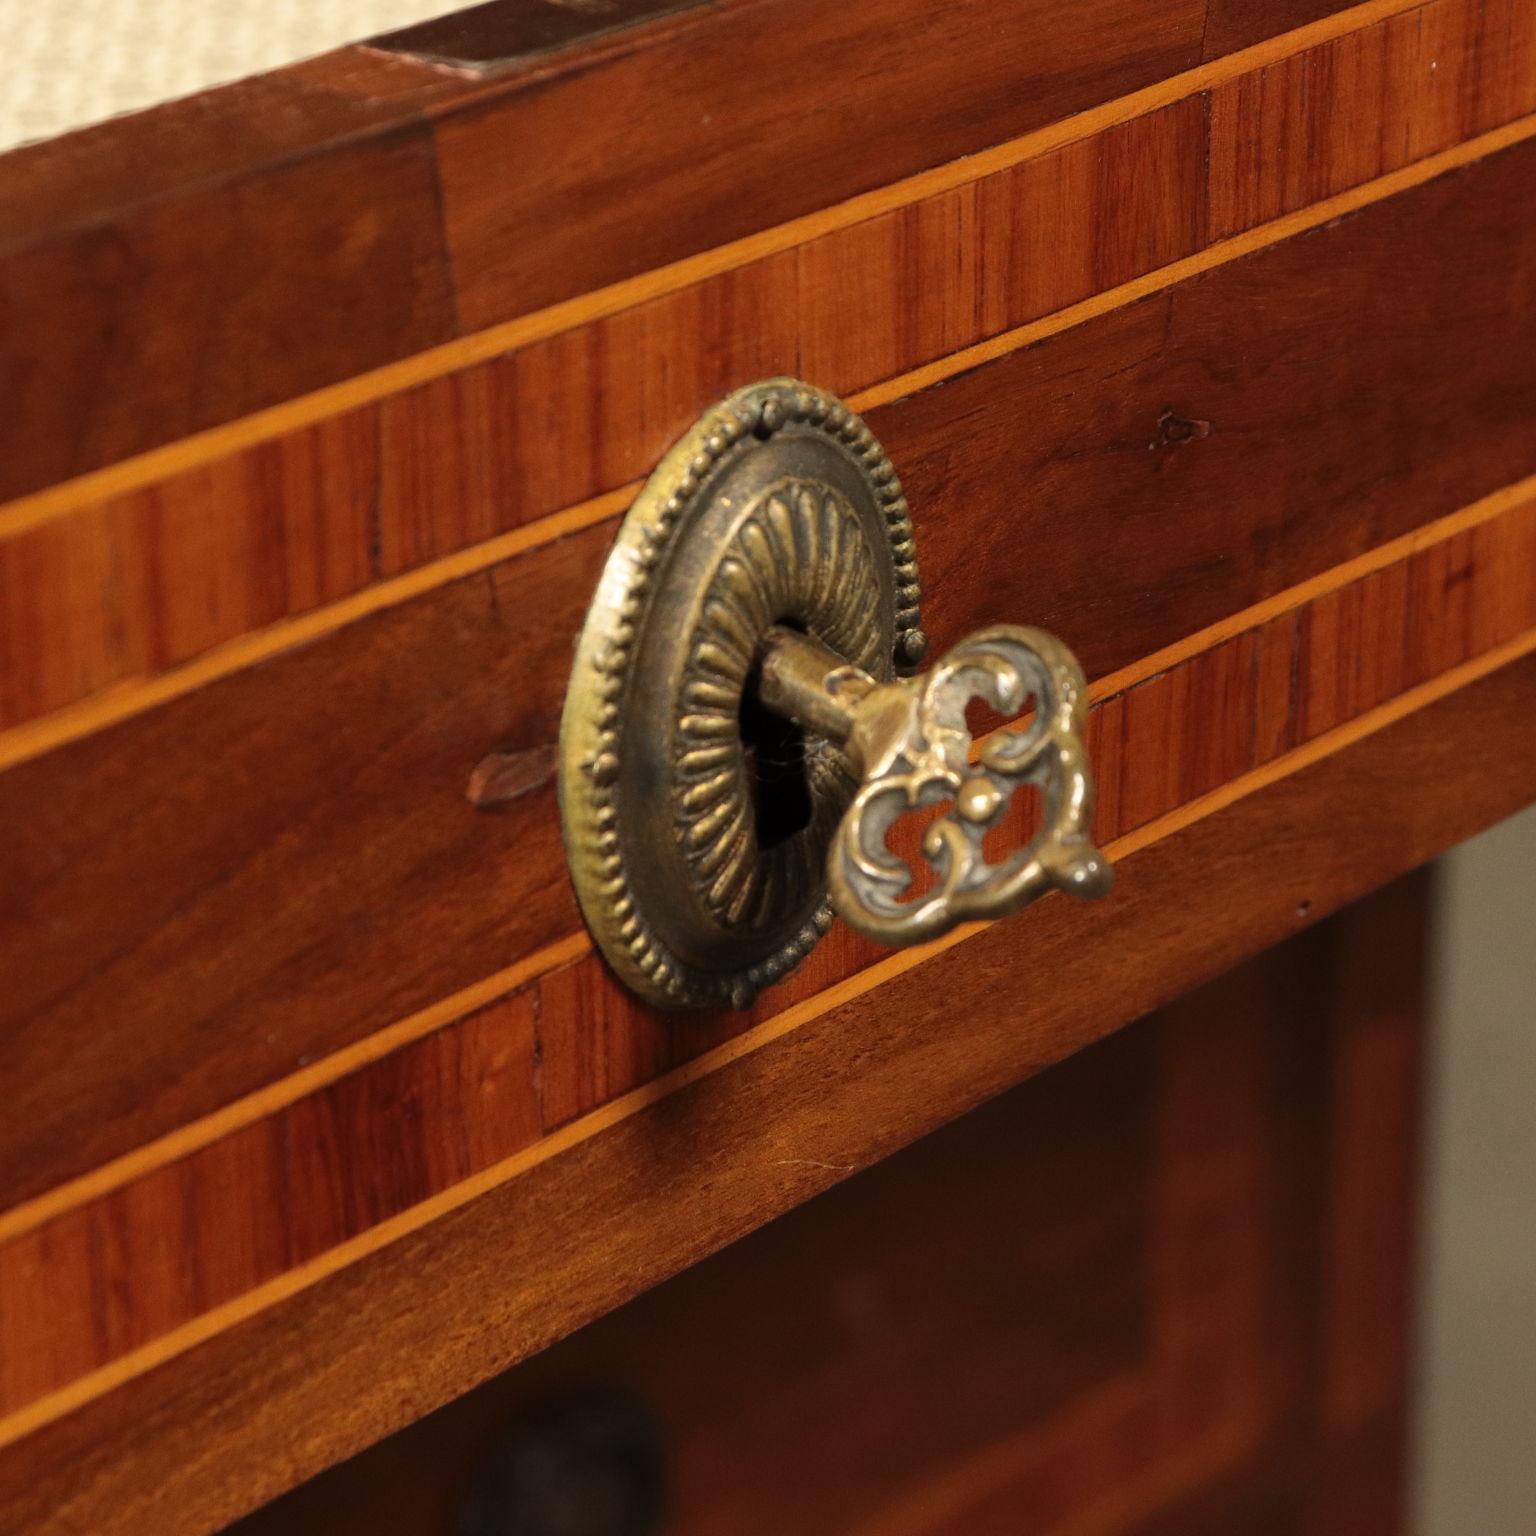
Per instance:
{"type": "Point", "coordinates": [738, 738]}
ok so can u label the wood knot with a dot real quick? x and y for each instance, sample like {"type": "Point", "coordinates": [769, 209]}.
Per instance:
{"type": "Point", "coordinates": [1173, 431]}
{"type": "Point", "coordinates": [504, 776]}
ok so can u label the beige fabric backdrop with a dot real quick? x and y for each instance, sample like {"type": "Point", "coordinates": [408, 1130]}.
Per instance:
{"type": "Point", "coordinates": [73, 62]}
{"type": "Point", "coordinates": [1477, 1412]}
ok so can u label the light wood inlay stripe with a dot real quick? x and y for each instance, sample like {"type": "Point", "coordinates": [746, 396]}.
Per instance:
{"type": "Point", "coordinates": [36, 737]}
{"type": "Point", "coordinates": [301, 1180]}
{"type": "Point", "coordinates": [311, 1079]}
{"type": "Point", "coordinates": [209, 1324]}
{"type": "Point", "coordinates": [219, 441]}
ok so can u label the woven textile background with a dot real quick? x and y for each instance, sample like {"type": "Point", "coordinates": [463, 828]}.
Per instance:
{"type": "Point", "coordinates": [74, 62]}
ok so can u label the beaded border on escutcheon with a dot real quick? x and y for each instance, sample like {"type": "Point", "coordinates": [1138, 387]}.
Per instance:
{"type": "Point", "coordinates": [759, 410]}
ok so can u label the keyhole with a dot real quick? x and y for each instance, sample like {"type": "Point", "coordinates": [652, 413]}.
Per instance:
{"type": "Point", "coordinates": [780, 787]}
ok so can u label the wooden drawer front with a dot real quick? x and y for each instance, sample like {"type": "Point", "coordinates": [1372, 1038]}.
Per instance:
{"type": "Point", "coordinates": [1229, 379]}
{"type": "Point", "coordinates": [201, 845]}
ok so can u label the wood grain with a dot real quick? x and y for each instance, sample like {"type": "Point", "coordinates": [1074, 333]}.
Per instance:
{"type": "Point", "coordinates": [327, 1369]}
{"type": "Point", "coordinates": [1357, 106]}
{"type": "Point", "coordinates": [377, 85]}
{"type": "Point", "coordinates": [128, 269]}
{"type": "Point", "coordinates": [146, 327]}
{"type": "Point", "coordinates": [121, 590]}
{"type": "Point", "coordinates": [321, 1109]}
{"type": "Point", "coordinates": [210, 895]}
{"type": "Point", "coordinates": [995, 253]}
{"type": "Point", "coordinates": [934, 1352]}
{"type": "Point", "coordinates": [307, 1178]}
{"type": "Point", "coordinates": [116, 704]}
{"type": "Point", "coordinates": [223, 549]}
{"type": "Point", "coordinates": [1234, 24]}
{"type": "Point", "coordinates": [236, 132]}
{"type": "Point", "coordinates": [855, 96]}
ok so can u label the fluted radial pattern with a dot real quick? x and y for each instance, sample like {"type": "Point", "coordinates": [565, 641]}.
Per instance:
{"type": "Point", "coordinates": [787, 563]}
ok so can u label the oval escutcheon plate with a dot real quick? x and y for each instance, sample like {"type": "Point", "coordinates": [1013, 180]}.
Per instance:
{"type": "Point", "coordinates": [697, 831]}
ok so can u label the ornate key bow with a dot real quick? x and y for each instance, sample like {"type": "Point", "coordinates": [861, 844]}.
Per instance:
{"type": "Point", "coordinates": [910, 742]}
